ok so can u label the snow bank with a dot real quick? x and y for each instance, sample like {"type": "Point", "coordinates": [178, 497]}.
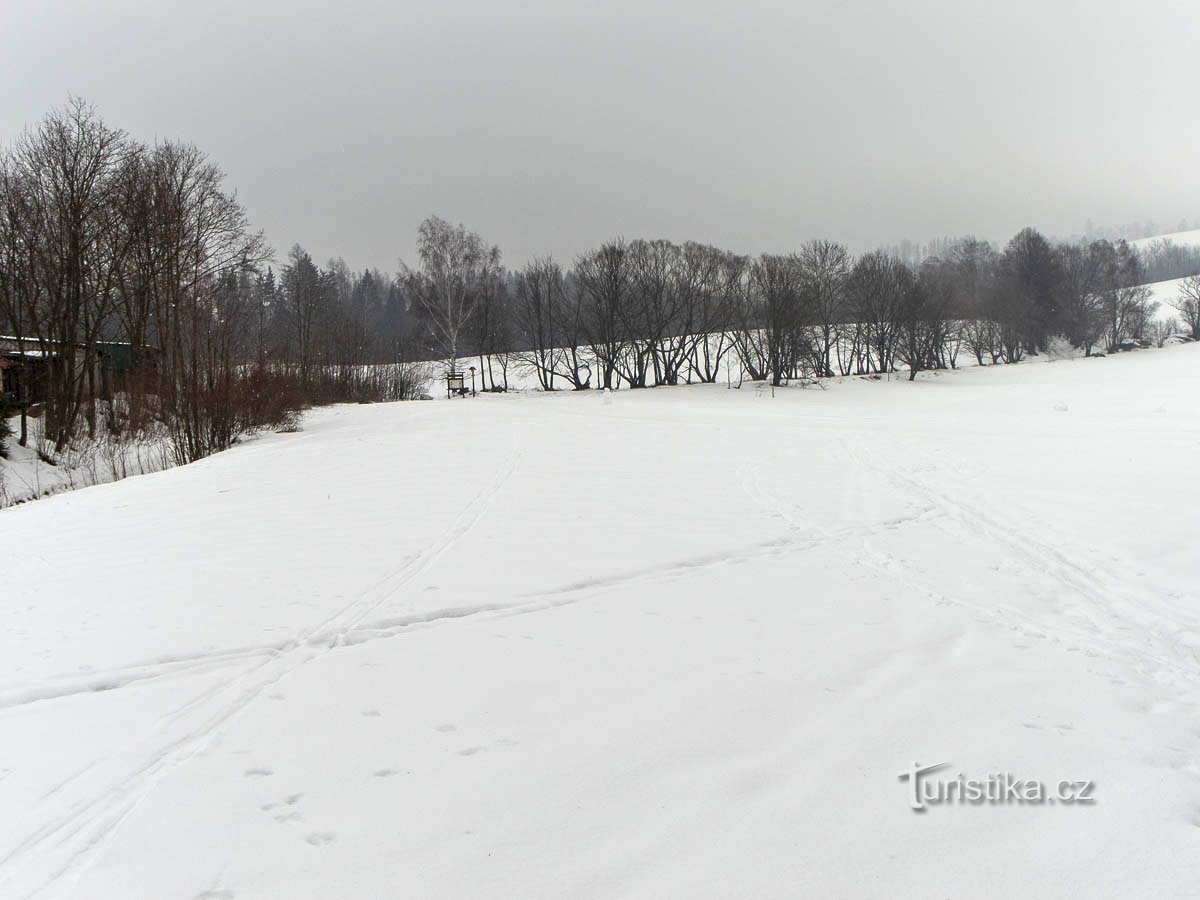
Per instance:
{"type": "Point", "coordinates": [26, 474]}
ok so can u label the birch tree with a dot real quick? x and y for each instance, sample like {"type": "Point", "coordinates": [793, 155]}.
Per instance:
{"type": "Point", "coordinates": [455, 268]}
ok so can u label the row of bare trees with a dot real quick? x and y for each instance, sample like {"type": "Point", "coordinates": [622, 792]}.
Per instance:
{"type": "Point", "coordinates": [651, 312]}
{"type": "Point", "coordinates": [1165, 260]}
{"type": "Point", "coordinates": [104, 239]}
{"type": "Point", "coordinates": [106, 242]}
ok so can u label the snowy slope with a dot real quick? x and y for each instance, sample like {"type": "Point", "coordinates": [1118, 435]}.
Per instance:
{"type": "Point", "coordinates": [26, 476]}
{"type": "Point", "coordinates": [676, 642]}
{"type": "Point", "coordinates": [1179, 238]}
{"type": "Point", "coordinates": [1165, 293]}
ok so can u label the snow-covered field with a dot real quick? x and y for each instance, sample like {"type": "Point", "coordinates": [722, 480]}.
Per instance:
{"type": "Point", "coordinates": [1179, 238]}
{"type": "Point", "coordinates": [668, 643]}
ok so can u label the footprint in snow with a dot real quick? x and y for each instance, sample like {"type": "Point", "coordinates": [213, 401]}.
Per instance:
{"type": "Point", "coordinates": [385, 773]}
{"type": "Point", "coordinates": [445, 728]}
{"type": "Point", "coordinates": [318, 838]}
{"type": "Point", "coordinates": [258, 773]}
{"type": "Point", "coordinates": [371, 713]}
{"type": "Point", "coordinates": [291, 800]}
{"type": "Point", "coordinates": [471, 751]}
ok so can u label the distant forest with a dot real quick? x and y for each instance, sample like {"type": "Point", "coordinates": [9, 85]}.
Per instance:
{"type": "Point", "coordinates": [1163, 260]}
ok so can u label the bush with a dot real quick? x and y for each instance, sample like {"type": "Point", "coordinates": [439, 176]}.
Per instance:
{"type": "Point", "coordinates": [380, 383]}
{"type": "Point", "coordinates": [269, 400]}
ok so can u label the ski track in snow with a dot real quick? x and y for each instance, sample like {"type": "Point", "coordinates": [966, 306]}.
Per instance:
{"type": "Point", "coordinates": [1106, 604]}
{"type": "Point", "coordinates": [329, 636]}
{"type": "Point", "coordinates": [81, 832]}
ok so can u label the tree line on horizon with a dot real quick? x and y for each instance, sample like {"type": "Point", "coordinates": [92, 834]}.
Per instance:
{"type": "Point", "coordinates": [643, 313]}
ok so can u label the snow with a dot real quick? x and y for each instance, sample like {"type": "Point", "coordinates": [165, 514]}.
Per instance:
{"type": "Point", "coordinates": [673, 642]}
{"type": "Point", "coordinates": [1165, 294]}
{"type": "Point", "coordinates": [1179, 238]}
{"type": "Point", "coordinates": [26, 475]}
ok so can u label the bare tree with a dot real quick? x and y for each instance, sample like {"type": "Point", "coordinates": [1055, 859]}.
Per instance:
{"type": "Point", "coordinates": [1029, 298]}
{"type": "Point", "coordinates": [66, 166]}
{"type": "Point", "coordinates": [826, 269]}
{"type": "Point", "coordinates": [455, 267]}
{"type": "Point", "coordinates": [492, 327]}
{"type": "Point", "coordinates": [603, 279]}
{"type": "Point", "coordinates": [539, 300]}
{"type": "Point", "coordinates": [571, 331]}
{"type": "Point", "coordinates": [982, 338]}
{"type": "Point", "coordinates": [1125, 299]}
{"type": "Point", "coordinates": [1187, 304]}
{"type": "Point", "coordinates": [203, 238]}
{"type": "Point", "coordinates": [923, 319]}
{"type": "Point", "coordinates": [1082, 302]}
{"type": "Point", "coordinates": [709, 283]}
{"type": "Point", "coordinates": [1161, 329]}
{"type": "Point", "coordinates": [778, 285]}
{"type": "Point", "coordinates": [746, 317]}
{"type": "Point", "coordinates": [18, 286]}
{"type": "Point", "coordinates": [974, 266]}
{"type": "Point", "coordinates": [878, 286]}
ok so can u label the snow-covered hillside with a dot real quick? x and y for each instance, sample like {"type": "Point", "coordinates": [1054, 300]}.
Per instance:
{"type": "Point", "coordinates": [1166, 294]}
{"type": "Point", "coordinates": [1179, 238]}
{"type": "Point", "coordinates": [666, 643]}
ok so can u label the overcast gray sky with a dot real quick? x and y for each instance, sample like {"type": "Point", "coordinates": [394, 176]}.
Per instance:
{"type": "Point", "coordinates": [550, 126]}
